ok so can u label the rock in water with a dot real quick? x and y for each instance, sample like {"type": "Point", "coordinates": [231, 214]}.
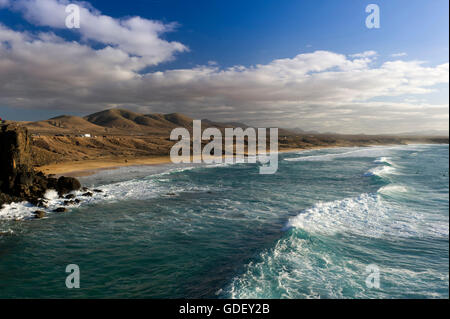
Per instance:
{"type": "Point", "coordinates": [39, 214]}
{"type": "Point", "coordinates": [67, 184]}
{"type": "Point", "coordinates": [18, 180]}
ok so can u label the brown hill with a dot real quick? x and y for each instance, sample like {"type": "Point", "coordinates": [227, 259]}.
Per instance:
{"type": "Point", "coordinates": [115, 118]}
{"type": "Point", "coordinates": [119, 134]}
{"type": "Point", "coordinates": [64, 124]}
{"type": "Point", "coordinates": [179, 120]}
{"type": "Point", "coordinates": [123, 122]}
{"type": "Point", "coordinates": [134, 122]}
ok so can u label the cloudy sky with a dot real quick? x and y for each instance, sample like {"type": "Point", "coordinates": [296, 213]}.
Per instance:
{"type": "Point", "coordinates": [296, 64]}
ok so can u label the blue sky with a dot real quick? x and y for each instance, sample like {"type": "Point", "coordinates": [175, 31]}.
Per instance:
{"type": "Point", "coordinates": [251, 32]}
{"type": "Point", "coordinates": [223, 34]}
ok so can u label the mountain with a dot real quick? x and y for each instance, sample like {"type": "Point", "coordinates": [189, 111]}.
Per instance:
{"type": "Point", "coordinates": [179, 120]}
{"type": "Point", "coordinates": [125, 122]}
{"type": "Point", "coordinates": [133, 122]}
{"type": "Point", "coordinates": [116, 118]}
{"type": "Point", "coordinates": [64, 124]}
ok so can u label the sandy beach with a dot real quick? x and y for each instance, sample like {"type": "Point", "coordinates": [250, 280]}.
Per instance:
{"type": "Point", "coordinates": [89, 167]}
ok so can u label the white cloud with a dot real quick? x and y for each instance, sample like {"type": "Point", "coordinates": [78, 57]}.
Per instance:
{"type": "Point", "coordinates": [320, 90]}
{"type": "Point", "coordinates": [4, 3]}
{"type": "Point", "coordinates": [135, 36]}
{"type": "Point", "coordinates": [365, 54]}
{"type": "Point", "coordinates": [397, 55]}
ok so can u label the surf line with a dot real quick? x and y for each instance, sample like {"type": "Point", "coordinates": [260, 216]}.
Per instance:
{"type": "Point", "coordinates": [235, 141]}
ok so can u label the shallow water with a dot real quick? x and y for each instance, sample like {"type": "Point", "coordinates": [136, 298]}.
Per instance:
{"type": "Point", "coordinates": [308, 231]}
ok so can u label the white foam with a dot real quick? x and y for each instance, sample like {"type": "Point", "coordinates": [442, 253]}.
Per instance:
{"type": "Point", "coordinates": [51, 194]}
{"type": "Point", "coordinates": [380, 152]}
{"type": "Point", "coordinates": [360, 214]}
{"type": "Point", "coordinates": [381, 171]}
{"type": "Point", "coordinates": [393, 189]}
{"type": "Point", "coordinates": [367, 215]}
{"type": "Point", "coordinates": [297, 268]}
{"type": "Point", "coordinates": [17, 211]}
{"type": "Point", "coordinates": [137, 189]}
{"type": "Point", "coordinates": [374, 151]}
{"type": "Point", "coordinates": [384, 160]}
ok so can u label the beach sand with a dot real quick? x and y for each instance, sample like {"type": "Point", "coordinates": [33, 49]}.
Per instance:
{"type": "Point", "coordinates": [92, 166]}
{"type": "Point", "coordinates": [89, 167]}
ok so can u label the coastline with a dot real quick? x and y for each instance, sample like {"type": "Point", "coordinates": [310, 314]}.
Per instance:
{"type": "Point", "coordinates": [92, 166]}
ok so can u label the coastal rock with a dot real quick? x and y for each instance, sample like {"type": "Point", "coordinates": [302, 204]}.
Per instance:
{"type": "Point", "coordinates": [98, 190]}
{"type": "Point", "coordinates": [39, 202]}
{"type": "Point", "coordinates": [16, 175]}
{"type": "Point", "coordinates": [39, 214]}
{"type": "Point", "coordinates": [87, 194]}
{"type": "Point", "coordinates": [52, 183]}
{"type": "Point", "coordinates": [70, 196]}
{"type": "Point", "coordinates": [42, 204]}
{"type": "Point", "coordinates": [60, 210]}
{"type": "Point", "coordinates": [67, 184]}
{"type": "Point", "coordinates": [6, 199]}
{"type": "Point", "coordinates": [18, 179]}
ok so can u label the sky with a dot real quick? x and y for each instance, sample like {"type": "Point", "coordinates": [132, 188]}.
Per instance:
{"type": "Point", "coordinates": [306, 64]}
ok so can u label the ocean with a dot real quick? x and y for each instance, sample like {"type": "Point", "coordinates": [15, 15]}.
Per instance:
{"type": "Point", "coordinates": [224, 231]}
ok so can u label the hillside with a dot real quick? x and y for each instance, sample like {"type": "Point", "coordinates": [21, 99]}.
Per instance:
{"type": "Point", "coordinates": [119, 134]}
{"type": "Point", "coordinates": [64, 124]}
{"type": "Point", "coordinates": [131, 122]}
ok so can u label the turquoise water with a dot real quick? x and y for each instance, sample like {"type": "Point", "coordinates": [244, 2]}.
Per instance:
{"type": "Point", "coordinates": [308, 231]}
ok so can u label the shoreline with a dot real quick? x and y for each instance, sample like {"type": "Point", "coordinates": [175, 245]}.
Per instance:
{"type": "Point", "coordinates": [92, 166]}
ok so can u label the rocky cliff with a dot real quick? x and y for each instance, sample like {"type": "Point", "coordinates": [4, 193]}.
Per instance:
{"type": "Point", "coordinates": [18, 179]}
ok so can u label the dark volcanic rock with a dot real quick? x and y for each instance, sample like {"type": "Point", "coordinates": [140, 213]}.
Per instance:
{"type": "Point", "coordinates": [6, 199]}
{"type": "Point", "coordinates": [60, 210]}
{"type": "Point", "coordinates": [52, 183]}
{"type": "Point", "coordinates": [87, 194]}
{"type": "Point", "coordinates": [70, 196]}
{"type": "Point", "coordinates": [98, 191]}
{"type": "Point", "coordinates": [18, 180]}
{"type": "Point", "coordinates": [39, 214]}
{"type": "Point", "coordinates": [67, 184]}
{"type": "Point", "coordinates": [16, 174]}
{"type": "Point", "coordinates": [42, 203]}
